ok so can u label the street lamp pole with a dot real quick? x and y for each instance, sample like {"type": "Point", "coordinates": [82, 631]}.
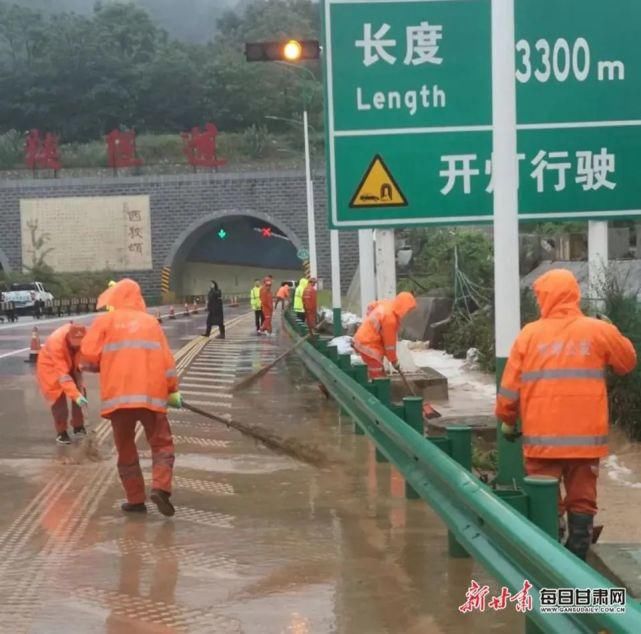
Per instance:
{"type": "Point", "coordinates": [311, 220]}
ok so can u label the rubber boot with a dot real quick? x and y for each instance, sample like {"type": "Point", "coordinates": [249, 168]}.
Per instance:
{"type": "Point", "coordinates": [580, 527]}
{"type": "Point", "coordinates": [161, 500]}
{"type": "Point", "coordinates": [129, 507]}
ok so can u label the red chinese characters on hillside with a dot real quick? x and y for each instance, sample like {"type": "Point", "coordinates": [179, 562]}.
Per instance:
{"type": "Point", "coordinates": [42, 152]}
{"type": "Point", "coordinates": [121, 149]}
{"type": "Point", "coordinates": [199, 146]}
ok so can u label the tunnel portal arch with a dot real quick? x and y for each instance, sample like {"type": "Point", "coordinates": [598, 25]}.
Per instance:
{"type": "Point", "coordinates": [190, 236]}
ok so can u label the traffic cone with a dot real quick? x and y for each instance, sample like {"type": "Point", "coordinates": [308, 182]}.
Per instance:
{"type": "Point", "coordinates": [172, 313]}
{"type": "Point", "coordinates": [187, 314]}
{"type": "Point", "coordinates": [159, 316]}
{"type": "Point", "coordinates": [34, 348]}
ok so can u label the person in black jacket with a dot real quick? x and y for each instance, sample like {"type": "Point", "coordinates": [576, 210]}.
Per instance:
{"type": "Point", "coordinates": [215, 315]}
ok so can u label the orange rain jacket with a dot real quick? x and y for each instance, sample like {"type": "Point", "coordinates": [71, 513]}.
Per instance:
{"type": "Point", "coordinates": [266, 299]}
{"type": "Point", "coordinates": [283, 292]}
{"type": "Point", "coordinates": [137, 369]}
{"type": "Point", "coordinates": [376, 336]}
{"type": "Point", "coordinates": [555, 375]}
{"type": "Point", "coordinates": [57, 363]}
{"type": "Point", "coordinates": [310, 303]}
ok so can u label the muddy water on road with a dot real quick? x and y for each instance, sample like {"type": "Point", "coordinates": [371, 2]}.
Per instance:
{"type": "Point", "coordinates": [259, 544]}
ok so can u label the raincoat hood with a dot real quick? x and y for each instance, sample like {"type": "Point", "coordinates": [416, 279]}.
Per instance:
{"type": "Point", "coordinates": [558, 294]}
{"type": "Point", "coordinates": [124, 294]}
{"type": "Point", "coordinates": [403, 303]}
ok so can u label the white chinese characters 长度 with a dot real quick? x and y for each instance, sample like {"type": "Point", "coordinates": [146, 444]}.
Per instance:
{"type": "Point", "coordinates": [422, 44]}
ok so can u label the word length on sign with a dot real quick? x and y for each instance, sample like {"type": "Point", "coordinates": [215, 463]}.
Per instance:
{"type": "Point", "coordinates": [410, 100]}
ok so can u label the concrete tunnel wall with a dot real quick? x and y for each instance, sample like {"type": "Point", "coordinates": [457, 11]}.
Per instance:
{"type": "Point", "coordinates": [182, 203]}
{"type": "Point", "coordinates": [4, 262]}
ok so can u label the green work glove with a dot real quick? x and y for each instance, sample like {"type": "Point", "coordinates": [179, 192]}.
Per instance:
{"type": "Point", "coordinates": [175, 400]}
{"type": "Point", "coordinates": [81, 401]}
{"type": "Point", "coordinates": [509, 432]}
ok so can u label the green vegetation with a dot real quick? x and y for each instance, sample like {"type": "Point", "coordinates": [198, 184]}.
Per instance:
{"type": "Point", "coordinates": [624, 391]}
{"type": "Point", "coordinates": [81, 76]}
{"type": "Point", "coordinates": [252, 146]}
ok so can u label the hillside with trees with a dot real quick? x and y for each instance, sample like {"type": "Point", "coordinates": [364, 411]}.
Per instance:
{"type": "Point", "coordinates": [82, 74]}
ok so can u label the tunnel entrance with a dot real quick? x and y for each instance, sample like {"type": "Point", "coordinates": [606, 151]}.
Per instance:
{"type": "Point", "coordinates": [234, 250]}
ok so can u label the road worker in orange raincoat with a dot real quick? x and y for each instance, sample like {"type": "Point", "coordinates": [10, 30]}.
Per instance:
{"type": "Point", "coordinates": [282, 296]}
{"type": "Point", "coordinates": [376, 338]}
{"type": "Point", "coordinates": [310, 304]}
{"type": "Point", "coordinates": [59, 378]}
{"type": "Point", "coordinates": [267, 305]}
{"type": "Point", "coordinates": [137, 381]}
{"type": "Point", "coordinates": [555, 379]}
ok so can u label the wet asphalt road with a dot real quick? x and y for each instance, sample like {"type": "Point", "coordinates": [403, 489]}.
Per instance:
{"type": "Point", "coordinates": [259, 544]}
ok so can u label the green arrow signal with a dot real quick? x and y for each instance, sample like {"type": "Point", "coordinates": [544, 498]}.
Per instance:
{"type": "Point", "coordinates": [222, 234]}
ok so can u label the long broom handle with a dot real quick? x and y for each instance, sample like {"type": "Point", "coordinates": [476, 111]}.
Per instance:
{"type": "Point", "coordinates": [292, 448]}
{"type": "Point", "coordinates": [202, 412]}
{"type": "Point", "coordinates": [408, 385]}
{"type": "Point", "coordinates": [252, 377]}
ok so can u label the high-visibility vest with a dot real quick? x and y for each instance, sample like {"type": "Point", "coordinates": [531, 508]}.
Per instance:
{"type": "Point", "coordinates": [298, 296]}
{"type": "Point", "coordinates": [254, 297]}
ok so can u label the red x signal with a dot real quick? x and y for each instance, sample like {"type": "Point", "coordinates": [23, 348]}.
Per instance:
{"type": "Point", "coordinates": [267, 232]}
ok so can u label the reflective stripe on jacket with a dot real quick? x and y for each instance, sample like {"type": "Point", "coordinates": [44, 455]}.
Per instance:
{"type": "Point", "coordinates": [555, 377]}
{"type": "Point", "coordinates": [137, 368]}
{"type": "Point", "coordinates": [254, 297]}
{"type": "Point", "coordinates": [298, 295]}
{"type": "Point", "coordinates": [57, 363]}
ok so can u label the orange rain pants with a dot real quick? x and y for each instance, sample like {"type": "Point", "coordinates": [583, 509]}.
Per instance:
{"type": "Point", "coordinates": [60, 411]}
{"type": "Point", "coordinates": [375, 369]}
{"type": "Point", "coordinates": [578, 476]}
{"type": "Point", "coordinates": [158, 432]}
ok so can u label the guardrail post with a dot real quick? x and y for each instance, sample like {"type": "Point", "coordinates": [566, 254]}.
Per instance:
{"type": "Point", "coordinates": [384, 394]}
{"type": "Point", "coordinates": [543, 500]}
{"type": "Point", "coordinates": [543, 496]}
{"type": "Point", "coordinates": [332, 353]}
{"type": "Point", "coordinates": [460, 437]}
{"type": "Point", "coordinates": [413, 416]}
{"type": "Point", "coordinates": [460, 445]}
{"type": "Point", "coordinates": [345, 363]}
{"type": "Point", "coordinates": [360, 374]}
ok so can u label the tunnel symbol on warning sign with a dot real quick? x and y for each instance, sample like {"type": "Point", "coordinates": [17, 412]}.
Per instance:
{"type": "Point", "coordinates": [378, 188]}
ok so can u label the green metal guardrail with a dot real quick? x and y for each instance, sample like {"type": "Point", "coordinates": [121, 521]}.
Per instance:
{"type": "Point", "coordinates": [509, 546]}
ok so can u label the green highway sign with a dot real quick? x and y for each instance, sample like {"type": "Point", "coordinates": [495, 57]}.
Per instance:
{"type": "Point", "coordinates": [409, 116]}
{"type": "Point", "coordinates": [303, 254]}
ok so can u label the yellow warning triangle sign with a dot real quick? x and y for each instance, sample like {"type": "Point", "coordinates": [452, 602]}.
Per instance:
{"type": "Point", "coordinates": [378, 188]}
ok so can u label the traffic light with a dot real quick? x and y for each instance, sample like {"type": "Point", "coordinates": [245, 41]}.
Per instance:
{"type": "Point", "coordinates": [266, 232]}
{"type": "Point", "coordinates": [283, 51]}
{"type": "Point", "coordinates": [222, 234]}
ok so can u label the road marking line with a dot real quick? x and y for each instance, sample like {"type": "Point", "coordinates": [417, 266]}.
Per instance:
{"type": "Point", "coordinates": [211, 404]}
{"type": "Point", "coordinates": [11, 354]}
{"type": "Point", "coordinates": [208, 393]}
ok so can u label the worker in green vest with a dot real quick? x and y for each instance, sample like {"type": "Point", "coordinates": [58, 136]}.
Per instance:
{"type": "Point", "coordinates": [254, 298]}
{"type": "Point", "coordinates": [299, 308]}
